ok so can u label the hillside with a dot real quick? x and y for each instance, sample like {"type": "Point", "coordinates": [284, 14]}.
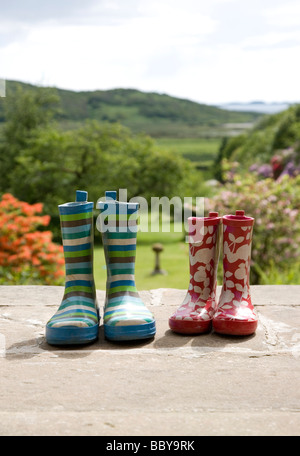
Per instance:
{"type": "Point", "coordinates": [158, 115]}
{"type": "Point", "coordinates": [276, 134]}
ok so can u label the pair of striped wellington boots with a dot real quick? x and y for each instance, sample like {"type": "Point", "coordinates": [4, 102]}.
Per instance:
{"type": "Point", "coordinates": [125, 315]}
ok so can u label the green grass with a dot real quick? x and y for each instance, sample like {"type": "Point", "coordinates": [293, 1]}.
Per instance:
{"type": "Point", "coordinates": [283, 276]}
{"type": "Point", "coordinates": [201, 151]}
{"type": "Point", "coordinates": [174, 260]}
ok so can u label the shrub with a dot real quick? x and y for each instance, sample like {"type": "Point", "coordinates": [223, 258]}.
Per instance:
{"type": "Point", "coordinates": [27, 255]}
{"type": "Point", "coordinates": [275, 205]}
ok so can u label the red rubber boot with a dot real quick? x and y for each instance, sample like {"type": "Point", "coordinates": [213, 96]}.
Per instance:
{"type": "Point", "coordinates": [194, 316]}
{"type": "Point", "coordinates": [235, 314]}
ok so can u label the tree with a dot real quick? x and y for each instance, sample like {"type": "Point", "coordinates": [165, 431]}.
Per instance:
{"type": "Point", "coordinates": [44, 163]}
{"type": "Point", "coordinates": [26, 111]}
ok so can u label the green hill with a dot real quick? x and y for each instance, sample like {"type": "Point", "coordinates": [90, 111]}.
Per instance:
{"type": "Point", "coordinates": [158, 115]}
{"type": "Point", "coordinates": [273, 134]}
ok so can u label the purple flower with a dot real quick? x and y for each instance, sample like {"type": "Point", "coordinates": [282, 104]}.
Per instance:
{"type": "Point", "coordinates": [253, 167]}
{"type": "Point", "coordinates": [290, 170]}
{"type": "Point", "coordinates": [265, 171]}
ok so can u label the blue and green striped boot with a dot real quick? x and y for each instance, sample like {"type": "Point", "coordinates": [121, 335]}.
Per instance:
{"type": "Point", "coordinates": [125, 315]}
{"type": "Point", "coordinates": [77, 318]}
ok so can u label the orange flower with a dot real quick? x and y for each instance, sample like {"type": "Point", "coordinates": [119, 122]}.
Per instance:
{"type": "Point", "coordinates": [24, 249]}
{"type": "Point", "coordinates": [46, 220]}
{"type": "Point", "coordinates": [35, 261]}
{"type": "Point", "coordinates": [38, 207]}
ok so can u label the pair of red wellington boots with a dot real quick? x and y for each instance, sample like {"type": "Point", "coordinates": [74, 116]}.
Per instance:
{"type": "Point", "coordinates": [234, 313]}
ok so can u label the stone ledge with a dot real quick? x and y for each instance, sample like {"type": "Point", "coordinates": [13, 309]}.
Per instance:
{"type": "Point", "coordinates": [170, 385]}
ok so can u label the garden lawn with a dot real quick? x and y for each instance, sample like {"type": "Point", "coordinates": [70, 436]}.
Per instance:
{"type": "Point", "coordinates": [174, 260]}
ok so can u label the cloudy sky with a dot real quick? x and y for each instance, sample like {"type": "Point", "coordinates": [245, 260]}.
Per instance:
{"type": "Point", "coordinates": [210, 51]}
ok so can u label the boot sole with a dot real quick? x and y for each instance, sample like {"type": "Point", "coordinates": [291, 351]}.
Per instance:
{"type": "Point", "coordinates": [130, 332]}
{"type": "Point", "coordinates": [234, 328]}
{"type": "Point", "coordinates": [71, 335]}
{"type": "Point", "coordinates": [190, 327]}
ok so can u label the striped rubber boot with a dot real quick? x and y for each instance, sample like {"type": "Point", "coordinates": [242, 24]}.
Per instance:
{"type": "Point", "coordinates": [77, 318]}
{"type": "Point", "coordinates": [125, 315]}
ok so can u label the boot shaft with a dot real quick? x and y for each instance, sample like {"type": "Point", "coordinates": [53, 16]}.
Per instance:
{"type": "Point", "coordinates": [76, 220]}
{"type": "Point", "coordinates": [118, 226]}
{"type": "Point", "coordinates": [204, 250]}
{"type": "Point", "coordinates": [237, 240]}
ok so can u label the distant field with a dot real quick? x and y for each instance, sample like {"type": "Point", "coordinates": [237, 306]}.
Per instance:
{"type": "Point", "coordinates": [201, 151]}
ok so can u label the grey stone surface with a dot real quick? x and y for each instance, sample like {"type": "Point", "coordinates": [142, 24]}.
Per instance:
{"type": "Point", "coordinates": [171, 385]}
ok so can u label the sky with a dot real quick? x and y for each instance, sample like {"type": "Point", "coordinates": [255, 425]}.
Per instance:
{"type": "Point", "coordinates": [209, 51]}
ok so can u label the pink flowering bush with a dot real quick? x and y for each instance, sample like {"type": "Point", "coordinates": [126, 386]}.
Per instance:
{"type": "Point", "coordinates": [284, 163]}
{"type": "Point", "coordinates": [275, 205]}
